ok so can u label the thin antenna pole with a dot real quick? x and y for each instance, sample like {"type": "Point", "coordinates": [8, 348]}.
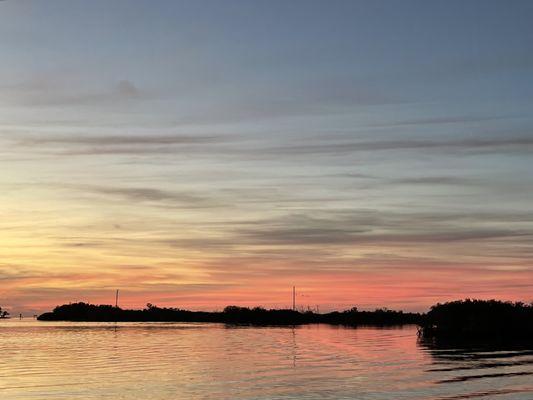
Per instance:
{"type": "Point", "coordinates": [294, 298]}
{"type": "Point", "coordinates": [116, 299]}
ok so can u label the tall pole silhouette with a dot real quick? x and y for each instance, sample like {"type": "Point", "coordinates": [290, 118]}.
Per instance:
{"type": "Point", "coordinates": [294, 298]}
{"type": "Point", "coordinates": [116, 299]}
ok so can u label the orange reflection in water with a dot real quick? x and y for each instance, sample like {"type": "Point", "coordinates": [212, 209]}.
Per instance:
{"type": "Point", "coordinates": [165, 361]}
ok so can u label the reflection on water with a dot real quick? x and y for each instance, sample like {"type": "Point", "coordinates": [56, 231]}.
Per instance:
{"type": "Point", "coordinates": [489, 372]}
{"type": "Point", "coordinates": [211, 361]}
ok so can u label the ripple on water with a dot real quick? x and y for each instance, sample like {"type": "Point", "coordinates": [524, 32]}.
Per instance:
{"type": "Point", "coordinates": [206, 361]}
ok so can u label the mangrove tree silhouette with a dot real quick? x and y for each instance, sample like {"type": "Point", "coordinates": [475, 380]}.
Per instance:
{"type": "Point", "coordinates": [230, 315]}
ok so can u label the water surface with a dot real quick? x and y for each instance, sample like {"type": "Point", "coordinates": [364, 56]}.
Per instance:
{"type": "Point", "coordinates": [60, 360]}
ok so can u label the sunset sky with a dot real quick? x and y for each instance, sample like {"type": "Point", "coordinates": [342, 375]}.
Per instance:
{"type": "Point", "coordinates": [204, 153]}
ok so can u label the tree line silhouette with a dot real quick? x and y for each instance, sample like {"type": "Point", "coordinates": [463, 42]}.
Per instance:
{"type": "Point", "coordinates": [479, 320]}
{"type": "Point", "coordinates": [230, 315]}
{"type": "Point", "coordinates": [461, 320]}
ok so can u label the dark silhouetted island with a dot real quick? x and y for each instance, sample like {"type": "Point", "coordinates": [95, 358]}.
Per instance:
{"type": "Point", "coordinates": [479, 321]}
{"type": "Point", "coordinates": [3, 314]}
{"type": "Point", "coordinates": [230, 315]}
{"type": "Point", "coordinates": [475, 321]}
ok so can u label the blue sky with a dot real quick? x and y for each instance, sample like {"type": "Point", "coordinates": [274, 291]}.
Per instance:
{"type": "Point", "coordinates": [204, 152]}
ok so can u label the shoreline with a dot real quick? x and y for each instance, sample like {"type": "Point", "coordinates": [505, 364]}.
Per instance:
{"type": "Point", "coordinates": [83, 312]}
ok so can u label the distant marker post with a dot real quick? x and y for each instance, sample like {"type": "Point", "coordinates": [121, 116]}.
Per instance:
{"type": "Point", "coordinates": [294, 298]}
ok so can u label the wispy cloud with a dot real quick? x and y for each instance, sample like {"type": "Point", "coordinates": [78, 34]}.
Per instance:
{"type": "Point", "coordinates": [46, 92]}
{"type": "Point", "coordinates": [445, 120]}
{"type": "Point", "coordinates": [135, 195]}
{"type": "Point", "coordinates": [465, 145]}
{"type": "Point", "coordinates": [342, 229]}
{"type": "Point", "coordinates": [77, 144]}
{"type": "Point", "coordinates": [435, 180]}
{"type": "Point", "coordinates": [118, 140]}
{"type": "Point", "coordinates": [372, 229]}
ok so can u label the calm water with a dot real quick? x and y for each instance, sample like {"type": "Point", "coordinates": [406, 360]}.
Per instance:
{"type": "Point", "coordinates": [41, 360]}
